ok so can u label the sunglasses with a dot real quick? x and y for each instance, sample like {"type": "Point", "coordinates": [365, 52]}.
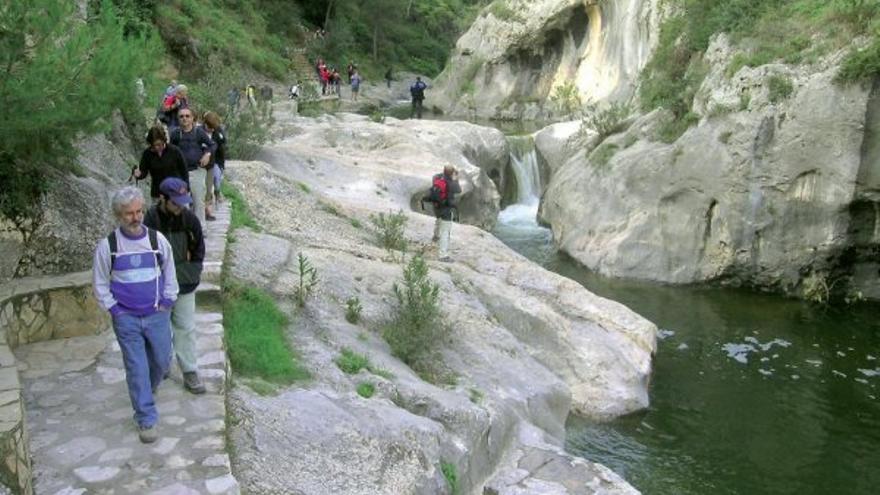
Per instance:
{"type": "Point", "coordinates": [185, 116]}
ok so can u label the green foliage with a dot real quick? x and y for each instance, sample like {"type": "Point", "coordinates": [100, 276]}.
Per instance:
{"type": "Point", "coordinates": [745, 100]}
{"type": "Point", "coordinates": [390, 230]}
{"type": "Point", "coordinates": [603, 154]}
{"type": "Point", "coordinates": [255, 339]}
{"type": "Point", "coordinates": [241, 214]}
{"type": "Point", "coordinates": [567, 98]}
{"type": "Point", "coordinates": [62, 77]}
{"type": "Point", "coordinates": [503, 11]}
{"type": "Point", "coordinates": [366, 389]}
{"type": "Point", "coordinates": [475, 395]}
{"type": "Point", "coordinates": [451, 474]}
{"type": "Point", "coordinates": [779, 88]}
{"type": "Point", "coordinates": [351, 362]}
{"type": "Point", "coordinates": [356, 223]}
{"type": "Point", "coordinates": [610, 120]}
{"type": "Point", "coordinates": [673, 129]}
{"type": "Point", "coordinates": [304, 187]}
{"type": "Point", "coordinates": [308, 279]}
{"type": "Point", "coordinates": [415, 329]}
{"type": "Point", "coordinates": [861, 65]}
{"type": "Point", "coordinates": [353, 309]}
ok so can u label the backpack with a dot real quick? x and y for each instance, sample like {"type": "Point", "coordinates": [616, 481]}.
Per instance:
{"type": "Point", "coordinates": [418, 90]}
{"type": "Point", "coordinates": [439, 192]}
{"type": "Point", "coordinates": [154, 245]}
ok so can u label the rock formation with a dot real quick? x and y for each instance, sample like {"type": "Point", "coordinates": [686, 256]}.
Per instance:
{"type": "Point", "coordinates": [511, 61]}
{"type": "Point", "coordinates": [523, 347]}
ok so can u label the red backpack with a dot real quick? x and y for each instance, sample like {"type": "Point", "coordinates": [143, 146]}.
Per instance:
{"type": "Point", "coordinates": [439, 190]}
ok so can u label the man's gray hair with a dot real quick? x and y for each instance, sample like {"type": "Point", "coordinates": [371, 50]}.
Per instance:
{"type": "Point", "coordinates": [125, 197]}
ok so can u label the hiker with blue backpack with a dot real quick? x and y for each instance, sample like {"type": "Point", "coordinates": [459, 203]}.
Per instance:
{"type": "Point", "coordinates": [443, 195]}
{"type": "Point", "coordinates": [417, 91]}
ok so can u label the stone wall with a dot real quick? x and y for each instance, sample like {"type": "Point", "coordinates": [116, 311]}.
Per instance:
{"type": "Point", "coordinates": [34, 310]}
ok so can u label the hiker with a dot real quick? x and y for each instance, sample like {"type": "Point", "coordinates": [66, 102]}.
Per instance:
{"type": "Point", "coordinates": [251, 93]}
{"type": "Point", "coordinates": [135, 280]}
{"type": "Point", "coordinates": [388, 77]}
{"type": "Point", "coordinates": [417, 90]}
{"type": "Point", "coordinates": [213, 125]}
{"type": "Point", "coordinates": [232, 99]}
{"type": "Point", "coordinates": [160, 160]}
{"type": "Point", "coordinates": [172, 88]}
{"type": "Point", "coordinates": [172, 217]}
{"type": "Point", "coordinates": [325, 79]}
{"type": "Point", "coordinates": [293, 94]}
{"type": "Point", "coordinates": [174, 103]}
{"type": "Point", "coordinates": [336, 81]}
{"type": "Point", "coordinates": [197, 148]}
{"type": "Point", "coordinates": [443, 196]}
{"type": "Point", "coordinates": [350, 70]}
{"type": "Point", "coordinates": [355, 84]}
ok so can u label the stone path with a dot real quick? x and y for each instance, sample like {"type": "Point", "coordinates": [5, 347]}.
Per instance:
{"type": "Point", "coordinates": [79, 418]}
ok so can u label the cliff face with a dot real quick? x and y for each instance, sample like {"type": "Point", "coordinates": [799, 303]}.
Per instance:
{"type": "Point", "coordinates": [518, 53]}
{"type": "Point", "coordinates": [777, 191]}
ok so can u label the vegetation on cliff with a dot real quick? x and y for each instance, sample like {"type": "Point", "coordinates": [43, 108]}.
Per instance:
{"type": "Point", "coordinates": [764, 31]}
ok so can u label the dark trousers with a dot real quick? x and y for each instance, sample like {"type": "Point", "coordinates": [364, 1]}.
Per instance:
{"type": "Point", "coordinates": [416, 109]}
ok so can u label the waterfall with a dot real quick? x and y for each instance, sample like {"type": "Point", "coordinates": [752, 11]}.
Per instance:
{"type": "Point", "coordinates": [524, 165]}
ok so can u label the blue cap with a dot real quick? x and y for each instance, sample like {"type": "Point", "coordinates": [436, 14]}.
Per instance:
{"type": "Point", "coordinates": [176, 190]}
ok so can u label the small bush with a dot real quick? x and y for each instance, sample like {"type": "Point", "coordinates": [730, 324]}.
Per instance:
{"type": "Point", "coordinates": [366, 390]}
{"type": "Point", "coordinates": [356, 223]}
{"type": "Point", "coordinates": [329, 208]}
{"type": "Point", "coordinates": [241, 214]}
{"type": "Point", "coordinates": [390, 229]}
{"type": "Point", "coordinates": [475, 396]}
{"type": "Point", "coordinates": [308, 279]}
{"type": "Point", "coordinates": [351, 362]}
{"type": "Point", "coordinates": [451, 474]}
{"type": "Point", "coordinates": [353, 309]}
{"type": "Point", "coordinates": [304, 187]}
{"type": "Point", "coordinates": [779, 88]}
{"type": "Point", "coordinates": [415, 329]}
{"type": "Point", "coordinates": [610, 120]}
{"type": "Point", "coordinates": [673, 129]}
{"type": "Point", "coordinates": [745, 100]}
{"type": "Point", "coordinates": [860, 65]}
{"type": "Point", "coordinates": [603, 155]}
{"type": "Point", "coordinates": [567, 98]}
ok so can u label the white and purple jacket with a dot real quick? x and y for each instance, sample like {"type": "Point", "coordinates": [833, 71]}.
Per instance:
{"type": "Point", "coordinates": [135, 285]}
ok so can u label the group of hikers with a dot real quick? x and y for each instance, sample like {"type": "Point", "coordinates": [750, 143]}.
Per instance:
{"type": "Point", "coordinates": [146, 271]}
{"type": "Point", "coordinates": [331, 79]}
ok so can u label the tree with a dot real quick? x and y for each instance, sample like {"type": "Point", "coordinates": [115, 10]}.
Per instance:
{"type": "Point", "coordinates": [62, 74]}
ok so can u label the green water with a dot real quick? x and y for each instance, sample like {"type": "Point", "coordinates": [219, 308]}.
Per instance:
{"type": "Point", "coordinates": [751, 393]}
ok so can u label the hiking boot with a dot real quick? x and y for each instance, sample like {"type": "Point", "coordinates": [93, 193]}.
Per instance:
{"type": "Point", "coordinates": [192, 383]}
{"type": "Point", "coordinates": [148, 434]}
{"type": "Point", "coordinates": [210, 218]}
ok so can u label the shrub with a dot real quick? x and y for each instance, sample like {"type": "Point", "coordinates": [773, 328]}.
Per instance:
{"type": "Point", "coordinates": [860, 64]}
{"type": "Point", "coordinates": [366, 389]}
{"type": "Point", "coordinates": [673, 129]}
{"type": "Point", "coordinates": [390, 230]}
{"type": "Point", "coordinates": [779, 88]}
{"type": "Point", "coordinates": [603, 154]}
{"type": "Point", "coordinates": [308, 279]}
{"type": "Point", "coordinates": [610, 120]}
{"type": "Point", "coordinates": [567, 98]}
{"type": "Point", "coordinates": [255, 337]}
{"type": "Point", "coordinates": [351, 362]}
{"type": "Point", "coordinates": [353, 309]}
{"type": "Point", "coordinates": [241, 214]}
{"type": "Point", "coordinates": [415, 328]}
{"type": "Point", "coordinates": [451, 474]}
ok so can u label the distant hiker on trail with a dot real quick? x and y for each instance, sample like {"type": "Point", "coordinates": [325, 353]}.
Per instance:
{"type": "Point", "coordinates": [197, 148]}
{"type": "Point", "coordinates": [355, 84]}
{"type": "Point", "coordinates": [251, 93]}
{"type": "Point", "coordinates": [388, 77]}
{"type": "Point", "coordinates": [350, 70]}
{"type": "Point", "coordinates": [417, 90]}
{"type": "Point", "coordinates": [232, 99]}
{"type": "Point", "coordinates": [174, 103]}
{"type": "Point", "coordinates": [443, 196]}
{"type": "Point", "coordinates": [160, 160]}
{"type": "Point", "coordinates": [172, 88]}
{"type": "Point", "coordinates": [336, 81]}
{"type": "Point", "coordinates": [325, 79]}
{"type": "Point", "coordinates": [293, 94]}
{"type": "Point", "coordinates": [135, 280]}
{"type": "Point", "coordinates": [213, 125]}
{"type": "Point", "coordinates": [173, 218]}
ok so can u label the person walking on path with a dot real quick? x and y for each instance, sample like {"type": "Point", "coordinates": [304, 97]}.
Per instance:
{"type": "Point", "coordinates": [355, 84]}
{"type": "Point", "coordinates": [174, 103]}
{"type": "Point", "coordinates": [197, 148]}
{"type": "Point", "coordinates": [388, 77]}
{"type": "Point", "coordinates": [160, 160]}
{"type": "Point", "coordinates": [417, 90]}
{"type": "Point", "coordinates": [183, 230]}
{"type": "Point", "coordinates": [444, 195]}
{"type": "Point", "coordinates": [213, 125]}
{"type": "Point", "coordinates": [135, 280]}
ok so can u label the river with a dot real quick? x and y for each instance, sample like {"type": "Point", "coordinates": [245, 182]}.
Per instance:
{"type": "Point", "coordinates": [751, 393]}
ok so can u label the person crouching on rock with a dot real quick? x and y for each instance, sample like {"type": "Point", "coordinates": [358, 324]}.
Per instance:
{"type": "Point", "coordinates": [182, 228]}
{"type": "Point", "coordinates": [135, 280]}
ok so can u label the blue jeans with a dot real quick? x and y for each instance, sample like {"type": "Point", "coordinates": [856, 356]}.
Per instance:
{"type": "Point", "coordinates": [146, 352]}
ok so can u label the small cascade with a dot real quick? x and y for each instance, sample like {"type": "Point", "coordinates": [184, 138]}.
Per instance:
{"type": "Point", "coordinates": [524, 165]}
{"type": "Point", "coordinates": [518, 223]}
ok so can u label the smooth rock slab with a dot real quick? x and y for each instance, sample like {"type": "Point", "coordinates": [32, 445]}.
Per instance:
{"type": "Point", "coordinates": [96, 474]}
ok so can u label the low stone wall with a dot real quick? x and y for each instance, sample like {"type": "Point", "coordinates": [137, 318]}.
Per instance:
{"type": "Point", "coordinates": [34, 310]}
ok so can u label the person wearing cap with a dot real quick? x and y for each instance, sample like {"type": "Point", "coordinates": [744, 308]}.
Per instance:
{"type": "Point", "coordinates": [172, 217]}
{"type": "Point", "coordinates": [135, 280]}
